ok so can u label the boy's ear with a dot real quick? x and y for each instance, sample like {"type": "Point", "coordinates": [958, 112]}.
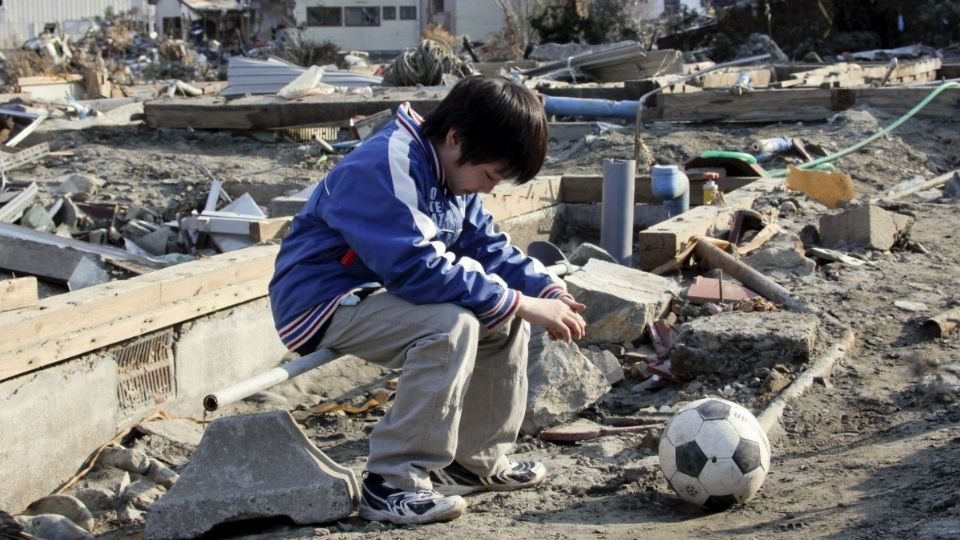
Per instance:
{"type": "Point", "coordinates": [453, 138]}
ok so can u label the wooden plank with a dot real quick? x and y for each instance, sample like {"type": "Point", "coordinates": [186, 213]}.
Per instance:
{"type": "Point", "coordinates": [45, 80]}
{"type": "Point", "coordinates": [18, 293]}
{"type": "Point", "coordinates": [267, 112]}
{"type": "Point", "coordinates": [49, 351]}
{"type": "Point", "coordinates": [268, 230]}
{"type": "Point", "coordinates": [804, 104]}
{"type": "Point", "coordinates": [509, 201]}
{"type": "Point", "coordinates": [661, 243]}
{"type": "Point", "coordinates": [725, 78]}
{"type": "Point", "coordinates": [99, 305]}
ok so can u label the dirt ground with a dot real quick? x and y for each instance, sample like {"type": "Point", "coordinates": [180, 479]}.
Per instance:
{"type": "Point", "coordinates": [872, 454]}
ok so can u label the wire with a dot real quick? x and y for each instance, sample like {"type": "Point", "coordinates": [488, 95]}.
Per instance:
{"type": "Point", "coordinates": [883, 132]}
{"type": "Point", "coordinates": [424, 65]}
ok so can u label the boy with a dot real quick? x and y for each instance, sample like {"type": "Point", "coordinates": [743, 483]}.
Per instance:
{"type": "Point", "coordinates": [395, 260]}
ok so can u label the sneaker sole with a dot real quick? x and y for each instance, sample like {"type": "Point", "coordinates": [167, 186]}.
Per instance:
{"type": "Point", "coordinates": [466, 490]}
{"type": "Point", "coordinates": [453, 512]}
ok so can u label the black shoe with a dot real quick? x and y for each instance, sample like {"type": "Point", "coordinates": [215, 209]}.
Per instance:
{"type": "Point", "coordinates": [456, 480]}
{"type": "Point", "coordinates": [383, 502]}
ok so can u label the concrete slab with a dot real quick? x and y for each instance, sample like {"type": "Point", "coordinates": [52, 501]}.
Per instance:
{"type": "Point", "coordinates": [869, 227]}
{"type": "Point", "coordinates": [253, 466]}
{"type": "Point", "coordinates": [737, 343]}
{"type": "Point", "coordinates": [621, 301]}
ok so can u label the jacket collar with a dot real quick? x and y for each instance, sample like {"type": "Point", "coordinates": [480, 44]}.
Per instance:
{"type": "Point", "coordinates": [409, 120]}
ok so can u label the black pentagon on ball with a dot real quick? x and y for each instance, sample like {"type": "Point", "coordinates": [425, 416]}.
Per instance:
{"type": "Point", "coordinates": [713, 410]}
{"type": "Point", "coordinates": [690, 459]}
{"type": "Point", "coordinates": [716, 503]}
{"type": "Point", "coordinates": [747, 456]}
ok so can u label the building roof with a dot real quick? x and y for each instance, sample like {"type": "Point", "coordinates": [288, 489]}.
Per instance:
{"type": "Point", "coordinates": [216, 5]}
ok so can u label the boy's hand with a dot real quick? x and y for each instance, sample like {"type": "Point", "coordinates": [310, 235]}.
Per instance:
{"type": "Point", "coordinates": [560, 317]}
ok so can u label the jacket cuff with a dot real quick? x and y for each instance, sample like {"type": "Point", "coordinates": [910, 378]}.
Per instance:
{"type": "Point", "coordinates": [505, 308]}
{"type": "Point", "coordinates": [554, 290]}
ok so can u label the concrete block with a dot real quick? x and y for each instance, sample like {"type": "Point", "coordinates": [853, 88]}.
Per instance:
{"type": "Point", "coordinates": [63, 505]}
{"type": "Point", "coordinates": [781, 261]}
{"type": "Point", "coordinates": [587, 251]}
{"type": "Point", "coordinates": [253, 466]}
{"type": "Point", "coordinates": [869, 227]}
{"type": "Point", "coordinates": [738, 343]}
{"type": "Point", "coordinates": [607, 363]}
{"type": "Point", "coordinates": [620, 300]}
{"type": "Point", "coordinates": [286, 206]}
{"type": "Point", "coordinates": [562, 383]}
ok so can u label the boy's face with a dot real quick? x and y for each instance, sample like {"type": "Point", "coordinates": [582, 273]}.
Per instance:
{"type": "Point", "coordinates": [470, 177]}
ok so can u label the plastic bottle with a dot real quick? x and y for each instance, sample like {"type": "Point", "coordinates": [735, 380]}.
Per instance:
{"type": "Point", "coordinates": [710, 187]}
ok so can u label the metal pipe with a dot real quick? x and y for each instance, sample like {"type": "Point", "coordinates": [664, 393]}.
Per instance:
{"type": "Point", "coordinates": [592, 108]}
{"type": "Point", "coordinates": [760, 283]}
{"type": "Point", "coordinates": [929, 184]}
{"type": "Point", "coordinates": [279, 374]}
{"type": "Point", "coordinates": [616, 224]}
{"type": "Point", "coordinates": [683, 78]}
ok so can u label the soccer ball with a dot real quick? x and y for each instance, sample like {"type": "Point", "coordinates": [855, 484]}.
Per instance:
{"type": "Point", "coordinates": [714, 453]}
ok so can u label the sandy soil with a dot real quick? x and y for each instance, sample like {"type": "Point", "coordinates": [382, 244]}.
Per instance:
{"type": "Point", "coordinates": [872, 454]}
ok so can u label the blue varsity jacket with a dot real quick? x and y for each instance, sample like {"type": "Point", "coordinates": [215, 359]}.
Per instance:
{"type": "Point", "coordinates": [383, 217]}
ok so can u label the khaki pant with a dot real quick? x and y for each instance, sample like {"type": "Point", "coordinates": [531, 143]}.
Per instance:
{"type": "Point", "coordinates": [462, 393]}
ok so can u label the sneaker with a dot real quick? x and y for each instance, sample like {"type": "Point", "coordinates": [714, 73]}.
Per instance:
{"type": "Point", "coordinates": [457, 480]}
{"type": "Point", "coordinates": [383, 502]}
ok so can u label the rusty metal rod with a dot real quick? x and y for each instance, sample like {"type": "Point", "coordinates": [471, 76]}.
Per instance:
{"type": "Point", "coordinates": [760, 283]}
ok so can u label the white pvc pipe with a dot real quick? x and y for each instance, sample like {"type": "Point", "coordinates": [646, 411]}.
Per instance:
{"type": "Point", "coordinates": [616, 223]}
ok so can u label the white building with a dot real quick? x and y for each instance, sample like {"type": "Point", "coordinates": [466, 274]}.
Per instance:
{"type": "Point", "coordinates": [21, 20]}
{"type": "Point", "coordinates": [393, 25]}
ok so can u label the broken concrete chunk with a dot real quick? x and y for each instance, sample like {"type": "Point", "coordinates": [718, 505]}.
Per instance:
{"type": "Point", "coordinates": [64, 505]}
{"type": "Point", "coordinates": [866, 227]}
{"type": "Point", "coordinates": [951, 190]}
{"type": "Point", "coordinates": [53, 526]}
{"type": "Point", "coordinates": [155, 243]}
{"type": "Point", "coordinates": [587, 251]}
{"type": "Point", "coordinates": [607, 363]}
{"type": "Point", "coordinates": [253, 466]}
{"type": "Point", "coordinates": [38, 219]}
{"type": "Point", "coordinates": [161, 474]}
{"type": "Point", "coordinates": [80, 186]}
{"type": "Point", "coordinates": [620, 301]}
{"type": "Point", "coordinates": [562, 383]}
{"type": "Point", "coordinates": [178, 430]}
{"type": "Point", "coordinates": [781, 261]}
{"type": "Point", "coordinates": [97, 498]}
{"type": "Point", "coordinates": [142, 493]}
{"type": "Point", "coordinates": [125, 459]}
{"type": "Point", "coordinates": [286, 206]}
{"type": "Point", "coordinates": [739, 343]}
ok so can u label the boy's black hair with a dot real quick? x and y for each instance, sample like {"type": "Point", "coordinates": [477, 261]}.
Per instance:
{"type": "Point", "coordinates": [498, 121]}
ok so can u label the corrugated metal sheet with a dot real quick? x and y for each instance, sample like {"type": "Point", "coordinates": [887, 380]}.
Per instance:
{"type": "Point", "coordinates": [253, 76]}
{"type": "Point", "coordinates": [21, 20]}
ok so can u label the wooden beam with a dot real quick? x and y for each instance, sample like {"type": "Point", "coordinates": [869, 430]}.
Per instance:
{"type": "Point", "coordinates": [803, 104]}
{"type": "Point", "coordinates": [67, 325]}
{"type": "Point", "coordinates": [268, 230]}
{"type": "Point", "coordinates": [267, 112]}
{"type": "Point", "coordinates": [661, 243]}
{"type": "Point", "coordinates": [18, 293]}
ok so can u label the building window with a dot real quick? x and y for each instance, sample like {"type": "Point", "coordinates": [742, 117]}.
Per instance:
{"type": "Point", "coordinates": [362, 16]}
{"type": "Point", "coordinates": [324, 16]}
{"type": "Point", "coordinates": [408, 13]}
{"type": "Point", "coordinates": [389, 13]}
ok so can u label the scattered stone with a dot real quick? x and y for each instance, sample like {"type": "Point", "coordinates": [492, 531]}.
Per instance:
{"type": "Point", "coordinates": [79, 186]}
{"type": "Point", "coordinates": [161, 474]}
{"type": "Point", "coordinates": [129, 515]}
{"type": "Point", "coordinates": [774, 382]}
{"type": "Point", "coordinates": [562, 382]}
{"type": "Point", "coordinates": [126, 459]}
{"type": "Point", "coordinates": [53, 526]}
{"type": "Point", "coordinates": [810, 235]}
{"type": "Point", "coordinates": [155, 243]}
{"type": "Point", "coordinates": [738, 343]}
{"type": "Point", "coordinates": [142, 493]}
{"type": "Point", "coordinates": [37, 219]}
{"type": "Point", "coordinates": [587, 251]}
{"type": "Point", "coordinates": [97, 498]}
{"type": "Point", "coordinates": [607, 363]}
{"type": "Point", "coordinates": [866, 227]}
{"type": "Point", "coordinates": [621, 301]}
{"type": "Point", "coordinates": [65, 505]}
{"type": "Point", "coordinates": [910, 306]}
{"type": "Point", "coordinates": [951, 190]}
{"type": "Point", "coordinates": [649, 385]}
{"type": "Point", "coordinates": [781, 261]}
{"type": "Point", "coordinates": [229, 478]}
{"type": "Point", "coordinates": [109, 479]}
{"type": "Point", "coordinates": [788, 209]}
{"type": "Point", "coordinates": [178, 430]}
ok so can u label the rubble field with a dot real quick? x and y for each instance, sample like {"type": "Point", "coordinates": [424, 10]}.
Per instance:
{"type": "Point", "coordinates": [869, 450]}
